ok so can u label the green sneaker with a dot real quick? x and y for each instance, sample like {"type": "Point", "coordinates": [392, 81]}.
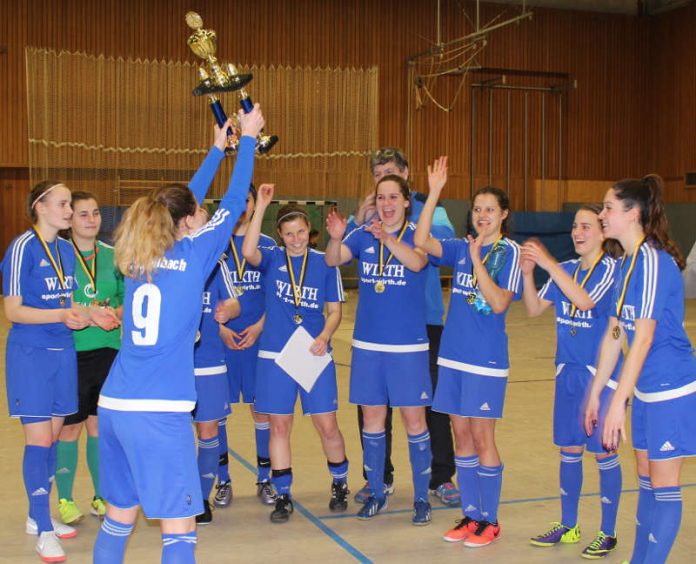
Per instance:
{"type": "Point", "coordinates": [557, 533]}
{"type": "Point", "coordinates": [97, 507]}
{"type": "Point", "coordinates": [601, 546]}
{"type": "Point", "coordinates": [69, 513]}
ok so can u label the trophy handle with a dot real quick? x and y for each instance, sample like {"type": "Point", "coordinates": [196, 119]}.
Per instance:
{"type": "Point", "coordinates": [221, 118]}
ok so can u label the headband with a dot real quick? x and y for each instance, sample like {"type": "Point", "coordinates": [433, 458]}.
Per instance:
{"type": "Point", "coordinates": [43, 194]}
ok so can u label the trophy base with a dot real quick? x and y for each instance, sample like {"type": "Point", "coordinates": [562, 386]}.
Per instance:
{"type": "Point", "coordinates": [265, 143]}
{"type": "Point", "coordinates": [237, 82]}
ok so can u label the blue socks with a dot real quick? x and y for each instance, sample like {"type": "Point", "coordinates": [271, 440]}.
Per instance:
{"type": "Point", "coordinates": [208, 450]}
{"type": "Point", "coordinates": [665, 524]}
{"type": "Point", "coordinates": [468, 482]}
{"type": "Point", "coordinates": [36, 482]}
{"type": "Point", "coordinates": [110, 546]}
{"type": "Point", "coordinates": [421, 458]}
{"type": "Point", "coordinates": [644, 517]}
{"type": "Point", "coordinates": [338, 471]}
{"type": "Point", "coordinates": [571, 484]}
{"type": "Point", "coordinates": [52, 464]}
{"type": "Point", "coordinates": [263, 460]}
{"type": "Point", "coordinates": [490, 482]}
{"type": "Point", "coordinates": [179, 549]}
{"type": "Point", "coordinates": [223, 460]}
{"type": "Point", "coordinates": [282, 480]}
{"type": "Point", "coordinates": [374, 449]}
{"type": "Point", "coordinates": [610, 492]}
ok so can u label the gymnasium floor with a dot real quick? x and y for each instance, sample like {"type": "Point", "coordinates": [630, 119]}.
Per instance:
{"type": "Point", "coordinates": [243, 533]}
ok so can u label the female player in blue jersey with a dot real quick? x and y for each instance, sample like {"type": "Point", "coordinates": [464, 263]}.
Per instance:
{"type": "Point", "coordinates": [581, 292]}
{"type": "Point", "coordinates": [38, 274]}
{"type": "Point", "coordinates": [473, 358]}
{"type": "Point", "coordinates": [98, 282]}
{"type": "Point", "coordinates": [147, 450]}
{"type": "Point", "coordinates": [390, 359]}
{"type": "Point", "coordinates": [241, 336]}
{"type": "Point", "coordinates": [298, 286]}
{"type": "Point", "coordinates": [659, 368]}
{"type": "Point", "coordinates": [212, 389]}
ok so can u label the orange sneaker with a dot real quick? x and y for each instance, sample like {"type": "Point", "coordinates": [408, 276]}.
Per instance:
{"type": "Point", "coordinates": [484, 535]}
{"type": "Point", "coordinates": [464, 527]}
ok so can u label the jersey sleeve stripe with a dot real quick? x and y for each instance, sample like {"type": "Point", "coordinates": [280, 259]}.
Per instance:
{"type": "Point", "coordinates": [597, 293]}
{"type": "Point", "coordinates": [16, 263]}
{"type": "Point", "coordinates": [227, 279]}
{"type": "Point", "coordinates": [650, 271]}
{"type": "Point", "coordinates": [339, 286]}
{"type": "Point", "coordinates": [513, 283]}
{"type": "Point", "coordinates": [545, 289]}
{"type": "Point", "coordinates": [218, 219]}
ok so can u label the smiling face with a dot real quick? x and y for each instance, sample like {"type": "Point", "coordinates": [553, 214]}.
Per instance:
{"type": "Point", "coordinates": [587, 233]}
{"type": "Point", "coordinates": [391, 204]}
{"type": "Point", "coordinates": [54, 210]}
{"type": "Point", "coordinates": [295, 235]}
{"type": "Point", "coordinates": [616, 219]}
{"type": "Point", "coordinates": [86, 219]}
{"type": "Point", "coordinates": [487, 216]}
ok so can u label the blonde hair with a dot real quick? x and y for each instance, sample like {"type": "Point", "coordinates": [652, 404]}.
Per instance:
{"type": "Point", "coordinates": [149, 228]}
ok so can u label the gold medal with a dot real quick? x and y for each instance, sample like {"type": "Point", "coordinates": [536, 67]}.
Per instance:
{"type": "Point", "coordinates": [239, 290]}
{"type": "Point", "coordinates": [61, 301]}
{"type": "Point", "coordinates": [471, 298]}
{"type": "Point", "coordinates": [198, 336]}
{"type": "Point", "coordinates": [573, 332]}
{"type": "Point", "coordinates": [296, 287]}
{"type": "Point", "coordinates": [616, 332]}
{"type": "Point", "coordinates": [380, 287]}
{"type": "Point", "coordinates": [297, 318]}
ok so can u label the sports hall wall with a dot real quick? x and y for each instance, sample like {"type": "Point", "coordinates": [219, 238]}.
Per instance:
{"type": "Point", "coordinates": [631, 113]}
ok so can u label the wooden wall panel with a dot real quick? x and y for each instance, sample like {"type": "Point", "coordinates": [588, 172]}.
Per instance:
{"type": "Point", "coordinates": [609, 127]}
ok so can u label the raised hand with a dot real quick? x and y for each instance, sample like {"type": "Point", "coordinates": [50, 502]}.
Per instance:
{"type": "Point", "coordinates": [221, 134]}
{"type": "Point", "coordinates": [265, 194]}
{"type": "Point", "coordinates": [252, 123]}
{"type": "Point", "coordinates": [475, 247]}
{"type": "Point", "coordinates": [367, 209]}
{"type": "Point", "coordinates": [336, 224]}
{"type": "Point", "coordinates": [533, 250]}
{"type": "Point", "coordinates": [377, 231]}
{"type": "Point", "coordinates": [437, 175]}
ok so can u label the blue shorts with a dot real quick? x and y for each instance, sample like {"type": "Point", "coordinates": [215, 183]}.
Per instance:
{"type": "Point", "coordinates": [40, 382]}
{"type": "Point", "coordinates": [149, 459]}
{"type": "Point", "coordinates": [666, 429]}
{"type": "Point", "coordinates": [212, 391]}
{"type": "Point", "coordinates": [390, 378]}
{"type": "Point", "coordinates": [469, 395]}
{"type": "Point", "coordinates": [241, 373]}
{"type": "Point", "coordinates": [573, 383]}
{"type": "Point", "coordinates": [276, 392]}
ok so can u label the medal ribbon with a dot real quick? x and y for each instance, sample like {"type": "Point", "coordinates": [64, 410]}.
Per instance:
{"type": "Point", "coordinates": [57, 267]}
{"type": "Point", "coordinates": [622, 297]}
{"type": "Point", "coordinates": [573, 307]}
{"type": "Point", "coordinates": [239, 265]}
{"type": "Point", "coordinates": [90, 272]}
{"type": "Point", "coordinates": [297, 289]}
{"type": "Point", "coordinates": [382, 264]}
{"type": "Point", "coordinates": [485, 260]}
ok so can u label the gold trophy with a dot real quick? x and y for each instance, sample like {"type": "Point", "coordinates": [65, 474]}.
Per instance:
{"type": "Point", "coordinates": [221, 78]}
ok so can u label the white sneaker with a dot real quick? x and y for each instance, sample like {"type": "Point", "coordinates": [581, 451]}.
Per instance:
{"type": "Point", "coordinates": [62, 531]}
{"type": "Point", "coordinates": [48, 547]}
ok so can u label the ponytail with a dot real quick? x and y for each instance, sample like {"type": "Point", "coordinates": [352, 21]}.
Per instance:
{"type": "Point", "coordinates": [646, 193]}
{"type": "Point", "coordinates": [149, 228]}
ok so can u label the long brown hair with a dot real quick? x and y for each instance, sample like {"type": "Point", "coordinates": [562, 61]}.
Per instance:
{"type": "Point", "coordinates": [149, 228]}
{"type": "Point", "coordinates": [646, 193]}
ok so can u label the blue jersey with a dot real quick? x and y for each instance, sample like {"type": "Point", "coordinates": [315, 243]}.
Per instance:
{"type": "Point", "coordinates": [251, 300]}
{"type": "Point", "coordinates": [321, 284]}
{"type": "Point", "coordinates": [209, 350]}
{"type": "Point", "coordinates": [27, 272]}
{"type": "Point", "coordinates": [154, 369]}
{"type": "Point", "coordinates": [656, 291]}
{"type": "Point", "coordinates": [395, 316]}
{"type": "Point", "coordinates": [578, 336]}
{"type": "Point", "coordinates": [474, 339]}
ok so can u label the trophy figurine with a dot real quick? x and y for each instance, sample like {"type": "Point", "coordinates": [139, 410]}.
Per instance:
{"type": "Point", "coordinates": [215, 77]}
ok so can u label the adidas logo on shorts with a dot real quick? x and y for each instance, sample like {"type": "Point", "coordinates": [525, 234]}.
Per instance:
{"type": "Point", "coordinates": [666, 447]}
{"type": "Point", "coordinates": [424, 396]}
{"type": "Point", "coordinates": [485, 407]}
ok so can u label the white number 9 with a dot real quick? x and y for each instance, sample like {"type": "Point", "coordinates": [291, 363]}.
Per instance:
{"type": "Point", "coordinates": [147, 324]}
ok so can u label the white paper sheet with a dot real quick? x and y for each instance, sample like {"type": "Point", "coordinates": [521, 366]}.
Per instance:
{"type": "Point", "coordinates": [300, 364]}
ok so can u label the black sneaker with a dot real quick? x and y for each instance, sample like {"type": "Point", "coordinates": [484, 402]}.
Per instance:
{"type": "Point", "coordinates": [339, 496]}
{"type": "Point", "coordinates": [283, 509]}
{"type": "Point", "coordinates": [205, 518]}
